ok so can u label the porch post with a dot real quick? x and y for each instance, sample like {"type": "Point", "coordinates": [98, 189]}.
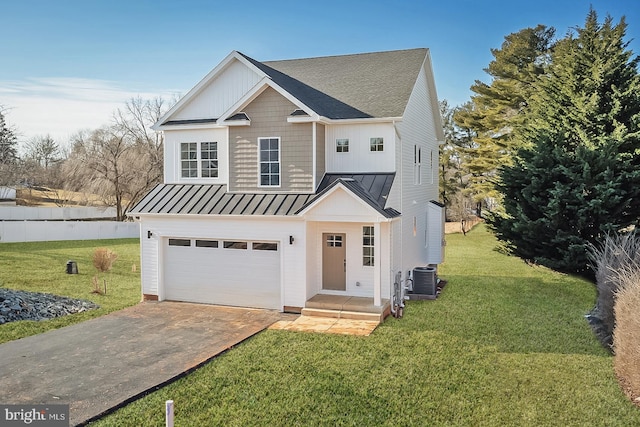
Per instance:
{"type": "Point", "coordinates": [377, 253]}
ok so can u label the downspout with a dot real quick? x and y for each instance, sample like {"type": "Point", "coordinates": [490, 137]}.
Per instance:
{"type": "Point", "coordinates": [377, 282]}
{"type": "Point", "coordinates": [314, 166]}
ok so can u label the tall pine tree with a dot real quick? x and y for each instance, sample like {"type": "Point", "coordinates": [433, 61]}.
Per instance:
{"type": "Point", "coordinates": [577, 175]}
{"type": "Point", "coordinates": [499, 107]}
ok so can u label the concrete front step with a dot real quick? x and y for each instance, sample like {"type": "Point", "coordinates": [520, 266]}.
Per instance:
{"type": "Point", "coordinates": [343, 314]}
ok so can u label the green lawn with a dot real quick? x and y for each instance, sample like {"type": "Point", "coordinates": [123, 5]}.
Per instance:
{"type": "Point", "coordinates": [41, 267]}
{"type": "Point", "coordinates": [505, 344]}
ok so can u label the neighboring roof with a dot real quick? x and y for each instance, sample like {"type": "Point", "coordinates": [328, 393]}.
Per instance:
{"type": "Point", "coordinates": [378, 84]}
{"type": "Point", "coordinates": [201, 199]}
{"type": "Point", "coordinates": [373, 188]}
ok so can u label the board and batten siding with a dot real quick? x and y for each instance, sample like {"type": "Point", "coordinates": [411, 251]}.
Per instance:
{"type": "Point", "coordinates": [359, 278]}
{"type": "Point", "coordinates": [248, 228]}
{"type": "Point", "coordinates": [360, 158]}
{"type": "Point", "coordinates": [172, 165]}
{"type": "Point", "coordinates": [417, 128]}
{"type": "Point", "coordinates": [268, 114]}
{"type": "Point", "coordinates": [220, 94]}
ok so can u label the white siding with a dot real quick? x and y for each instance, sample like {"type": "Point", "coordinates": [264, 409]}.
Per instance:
{"type": "Point", "coordinates": [359, 278]}
{"type": "Point", "coordinates": [230, 228]}
{"type": "Point", "coordinates": [360, 158]}
{"type": "Point", "coordinates": [222, 93]}
{"type": "Point", "coordinates": [417, 128]}
{"type": "Point", "coordinates": [172, 140]}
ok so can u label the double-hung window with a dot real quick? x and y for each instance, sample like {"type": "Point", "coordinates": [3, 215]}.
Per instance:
{"type": "Point", "coordinates": [269, 161]}
{"type": "Point", "coordinates": [417, 165]}
{"type": "Point", "coordinates": [342, 145]}
{"type": "Point", "coordinates": [376, 144]}
{"type": "Point", "coordinates": [199, 159]}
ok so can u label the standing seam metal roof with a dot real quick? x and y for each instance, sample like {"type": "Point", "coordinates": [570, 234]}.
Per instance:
{"type": "Point", "coordinates": [204, 199]}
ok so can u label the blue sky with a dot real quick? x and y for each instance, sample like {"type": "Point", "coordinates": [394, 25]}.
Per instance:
{"type": "Point", "coordinates": [65, 65]}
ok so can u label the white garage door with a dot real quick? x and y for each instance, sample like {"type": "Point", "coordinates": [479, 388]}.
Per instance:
{"type": "Point", "coordinates": [237, 273]}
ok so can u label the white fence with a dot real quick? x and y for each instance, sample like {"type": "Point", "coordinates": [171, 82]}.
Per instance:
{"type": "Point", "coordinates": [55, 213]}
{"type": "Point", "coordinates": [41, 231]}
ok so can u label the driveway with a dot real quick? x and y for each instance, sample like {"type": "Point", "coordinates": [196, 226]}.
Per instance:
{"type": "Point", "coordinates": [97, 365]}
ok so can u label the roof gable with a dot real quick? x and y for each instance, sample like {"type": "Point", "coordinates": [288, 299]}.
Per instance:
{"type": "Point", "coordinates": [360, 86]}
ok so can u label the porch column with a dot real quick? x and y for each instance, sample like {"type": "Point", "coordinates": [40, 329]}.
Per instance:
{"type": "Point", "coordinates": [377, 278]}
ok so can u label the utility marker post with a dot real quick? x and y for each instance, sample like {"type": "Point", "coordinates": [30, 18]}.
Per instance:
{"type": "Point", "coordinates": [169, 413]}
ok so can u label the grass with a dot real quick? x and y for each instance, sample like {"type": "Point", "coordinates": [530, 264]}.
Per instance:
{"type": "Point", "coordinates": [505, 344]}
{"type": "Point", "coordinates": [41, 267]}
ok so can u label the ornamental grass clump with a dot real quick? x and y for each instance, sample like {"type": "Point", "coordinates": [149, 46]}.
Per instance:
{"type": "Point", "coordinates": [103, 260]}
{"type": "Point", "coordinates": [626, 335]}
{"type": "Point", "coordinates": [618, 254]}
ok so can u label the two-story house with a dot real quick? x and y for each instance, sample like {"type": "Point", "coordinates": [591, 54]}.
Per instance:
{"type": "Point", "coordinates": [284, 180]}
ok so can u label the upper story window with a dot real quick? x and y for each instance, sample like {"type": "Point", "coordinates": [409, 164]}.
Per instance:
{"type": "Point", "coordinates": [199, 159]}
{"type": "Point", "coordinates": [376, 144]}
{"type": "Point", "coordinates": [342, 145]}
{"type": "Point", "coordinates": [269, 161]}
{"type": "Point", "coordinates": [417, 165]}
{"type": "Point", "coordinates": [209, 159]}
{"type": "Point", "coordinates": [189, 159]}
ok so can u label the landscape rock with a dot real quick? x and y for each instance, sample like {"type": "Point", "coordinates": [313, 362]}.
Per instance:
{"type": "Point", "coordinates": [22, 305]}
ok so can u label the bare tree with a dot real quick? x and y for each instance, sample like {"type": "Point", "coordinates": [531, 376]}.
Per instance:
{"type": "Point", "coordinates": [44, 150]}
{"type": "Point", "coordinates": [121, 162]}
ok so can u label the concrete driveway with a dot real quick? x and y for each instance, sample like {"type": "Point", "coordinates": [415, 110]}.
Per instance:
{"type": "Point", "coordinates": [98, 364]}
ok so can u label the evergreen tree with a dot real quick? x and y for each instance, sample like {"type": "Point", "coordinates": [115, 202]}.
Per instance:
{"type": "Point", "coordinates": [8, 142]}
{"type": "Point", "coordinates": [497, 108]}
{"type": "Point", "coordinates": [454, 175]}
{"type": "Point", "coordinates": [577, 176]}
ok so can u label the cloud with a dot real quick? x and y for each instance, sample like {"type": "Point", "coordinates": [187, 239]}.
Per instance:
{"type": "Point", "coordinates": [61, 107]}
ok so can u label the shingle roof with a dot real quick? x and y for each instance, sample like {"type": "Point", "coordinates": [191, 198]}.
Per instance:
{"type": "Point", "coordinates": [318, 101]}
{"type": "Point", "coordinates": [377, 84]}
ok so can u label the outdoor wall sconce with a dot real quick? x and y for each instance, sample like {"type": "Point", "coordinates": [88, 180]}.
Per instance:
{"type": "Point", "coordinates": [291, 239]}
{"type": "Point", "coordinates": [149, 234]}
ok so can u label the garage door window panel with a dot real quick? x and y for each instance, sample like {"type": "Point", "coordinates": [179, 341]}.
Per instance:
{"type": "Point", "coordinates": [206, 243]}
{"type": "Point", "coordinates": [264, 246]}
{"type": "Point", "coordinates": [235, 245]}
{"type": "Point", "coordinates": [179, 242]}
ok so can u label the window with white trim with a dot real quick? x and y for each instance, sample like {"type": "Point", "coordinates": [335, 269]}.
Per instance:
{"type": "Point", "coordinates": [376, 144]}
{"type": "Point", "coordinates": [209, 159]}
{"type": "Point", "coordinates": [342, 145]}
{"type": "Point", "coordinates": [417, 165]}
{"type": "Point", "coordinates": [199, 159]}
{"type": "Point", "coordinates": [189, 159]}
{"type": "Point", "coordinates": [269, 167]}
{"type": "Point", "coordinates": [368, 258]}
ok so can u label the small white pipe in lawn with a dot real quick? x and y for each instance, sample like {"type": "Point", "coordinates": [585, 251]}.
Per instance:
{"type": "Point", "coordinates": [169, 413]}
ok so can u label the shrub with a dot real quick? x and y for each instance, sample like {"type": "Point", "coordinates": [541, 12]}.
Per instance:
{"type": "Point", "coordinates": [103, 259]}
{"type": "Point", "coordinates": [617, 254]}
{"type": "Point", "coordinates": [626, 335]}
